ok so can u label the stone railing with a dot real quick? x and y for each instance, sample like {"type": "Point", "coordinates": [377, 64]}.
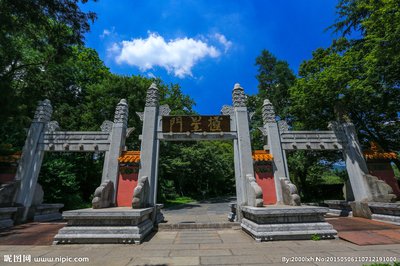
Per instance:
{"type": "Point", "coordinates": [141, 193]}
{"type": "Point", "coordinates": [103, 195]}
{"type": "Point", "coordinates": [289, 192]}
{"type": "Point", "coordinates": [255, 194]}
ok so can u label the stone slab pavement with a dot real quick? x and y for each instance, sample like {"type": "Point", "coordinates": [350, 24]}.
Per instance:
{"type": "Point", "coordinates": [207, 211]}
{"type": "Point", "coordinates": [201, 247]}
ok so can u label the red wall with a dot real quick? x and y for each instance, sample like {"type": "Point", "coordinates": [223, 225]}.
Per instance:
{"type": "Point", "coordinates": [127, 181]}
{"type": "Point", "coordinates": [7, 174]}
{"type": "Point", "coordinates": [384, 171]}
{"type": "Point", "coordinates": [265, 179]}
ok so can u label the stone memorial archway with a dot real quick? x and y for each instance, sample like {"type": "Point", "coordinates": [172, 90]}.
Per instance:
{"type": "Point", "coordinates": [341, 136]}
{"type": "Point", "coordinates": [44, 136]}
{"type": "Point", "coordinates": [233, 124]}
{"type": "Point", "coordinates": [105, 224]}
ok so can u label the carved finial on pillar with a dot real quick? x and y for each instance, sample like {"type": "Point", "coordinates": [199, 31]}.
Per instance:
{"type": "Point", "coordinates": [238, 96]}
{"type": "Point", "coordinates": [43, 112]}
{"type": "Point", "coordinates": [52, 126]}
{"type": "Point", "coordinates": [121, 113]}
{"type": "Point", "coordinates": [152, 96]}
{"type": "Point", "coordinates": [164, 110]}
{"type": "Point", "coordinates": [268, 112]}
{"type": "Point", "coordinates": [106, 126]}
{"type": "Point", "coordinates": [227, 110]}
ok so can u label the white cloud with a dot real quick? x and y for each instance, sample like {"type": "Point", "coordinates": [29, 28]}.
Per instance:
{"type": "Point", "coordinates": [107, 32]}
{"type": "Point", "coordinates": [151, 75]}
{"type": "Point", "coordinates": [113, 48]}
{"type": "Point", "coordinates": [177, 56]}
{"type": "Point", "coordinates": [222, 39]}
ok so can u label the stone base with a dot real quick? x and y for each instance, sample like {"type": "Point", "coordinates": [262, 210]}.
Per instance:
{"type": "Point", "coordinates": [6, 216]}
{"type": "Point", "coordinates": [286, 223]}
{"type": "Point", "coordinates": [361, 209]}
{"type": "Point", "coordinates": [386, 218]}
{"type": "Point", "coordinates": [47, 212]}
{"type": "Point", "coordinates": [386, 212]}
{"type": "Point", "coordinates": [232, 215]}
{"type": "Point", "coordinates": [160, 215]}
{"type": "Point", "coordinates": [105, 226]}
{"type": "Point", "coordinates": [381, 211]}
{"type": "Point", "coordinates": [341, 213]}
{"type": "Point", "coordinates": [339, 207]}
{"type": "Point", "coordinates": [392, 209]}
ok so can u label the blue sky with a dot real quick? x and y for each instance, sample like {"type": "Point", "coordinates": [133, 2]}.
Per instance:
{"type": "Point", "coordinates": [207, 46]}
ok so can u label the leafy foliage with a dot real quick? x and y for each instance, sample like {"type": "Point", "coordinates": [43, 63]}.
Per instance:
{"type": "Point", "coordinates": [356, 77]}
{"type": "Point", "coordinates": [275, 78]}
{"type": "Point", "coordinates": [70, 179]}
{"type": "Point", "coordinates": [34, 36]}
{"type": "Point", "coordinates": [198, 170]}
{"type": "Point", "coordinates": [42, 56]}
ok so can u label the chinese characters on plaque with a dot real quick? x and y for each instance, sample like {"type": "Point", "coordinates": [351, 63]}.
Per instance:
{"type": "Point", "coordinates": [196, 123]}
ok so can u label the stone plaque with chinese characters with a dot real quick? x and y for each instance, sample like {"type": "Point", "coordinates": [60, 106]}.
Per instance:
{"type": "Point", "coordinates": [196, 123]}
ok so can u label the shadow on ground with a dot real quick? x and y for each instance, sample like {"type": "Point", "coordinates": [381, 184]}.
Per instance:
{"type": "Point", "coordinates": [31, 233]}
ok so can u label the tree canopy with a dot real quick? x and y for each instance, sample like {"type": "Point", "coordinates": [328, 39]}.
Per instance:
{"type": "Point", "coordinates": [42, 56]}
{"type": "Point", "coordinates": [357, 75]}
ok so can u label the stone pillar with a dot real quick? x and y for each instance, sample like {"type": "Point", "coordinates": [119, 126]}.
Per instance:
{"type": "Point", "coordinates": [242, 149]}
{"type": "Point", "coordinates": [275, 146]}
{"type": "Point", "coordinates": [355, 163]}
{"type": "Point", "coordinates": [229, 110]}
{"type": "Point", "coordinates": [117, 145]}
{"type": "Point", "coordinates": [31, 160]}
{"type": "Point", "coordinates": [149, 146]}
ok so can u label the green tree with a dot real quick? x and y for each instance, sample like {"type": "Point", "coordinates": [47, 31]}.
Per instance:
{"type": "Point", "coordinates": [356, 75]}
{"type": "Point", "coordinates": [274, 80]}
{"type": "Point", "coordinates": [70, 178]}
{"type": "Point", "coordinates": [198, 169]}
{"type": "Point", "coordinates": [35, 36]}
{"type": "Point", "coordinates": [42, 56]}
{"type": "Point", "coordinates": [96, 102]}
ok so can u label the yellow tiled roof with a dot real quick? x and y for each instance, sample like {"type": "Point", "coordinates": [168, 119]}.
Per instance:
{"type": "Point", "coordinates": [377, 153]}
{"type": "Point", "coordinates": [129, 157]}
{"type": "Point", "coordinates": [261, 155]}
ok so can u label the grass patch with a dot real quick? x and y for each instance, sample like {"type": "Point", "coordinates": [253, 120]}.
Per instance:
{"type": "Point", "coordinates": [315, 237]}
{"type": "Point", "coordinates": [330, 178]}
{"type": "Point", "coordinates": [177, 201]}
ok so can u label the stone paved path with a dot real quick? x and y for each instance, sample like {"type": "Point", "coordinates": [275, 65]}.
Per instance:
{"type": "Point", "coordinates": [209, 211]}
{"type": "Point", "coordinates": [202, 247]}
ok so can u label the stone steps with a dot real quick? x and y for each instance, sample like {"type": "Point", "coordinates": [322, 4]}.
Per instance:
{"type": "Point", "coordinates": [197, 226]}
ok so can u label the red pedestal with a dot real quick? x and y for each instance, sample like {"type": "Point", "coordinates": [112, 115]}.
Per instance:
{"type": "Point", "coordinates": [127, 181]}
{"type": "Point", "coordinates": [265, 179]}
{"type": "Point", "coordinates": [384, 171]}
